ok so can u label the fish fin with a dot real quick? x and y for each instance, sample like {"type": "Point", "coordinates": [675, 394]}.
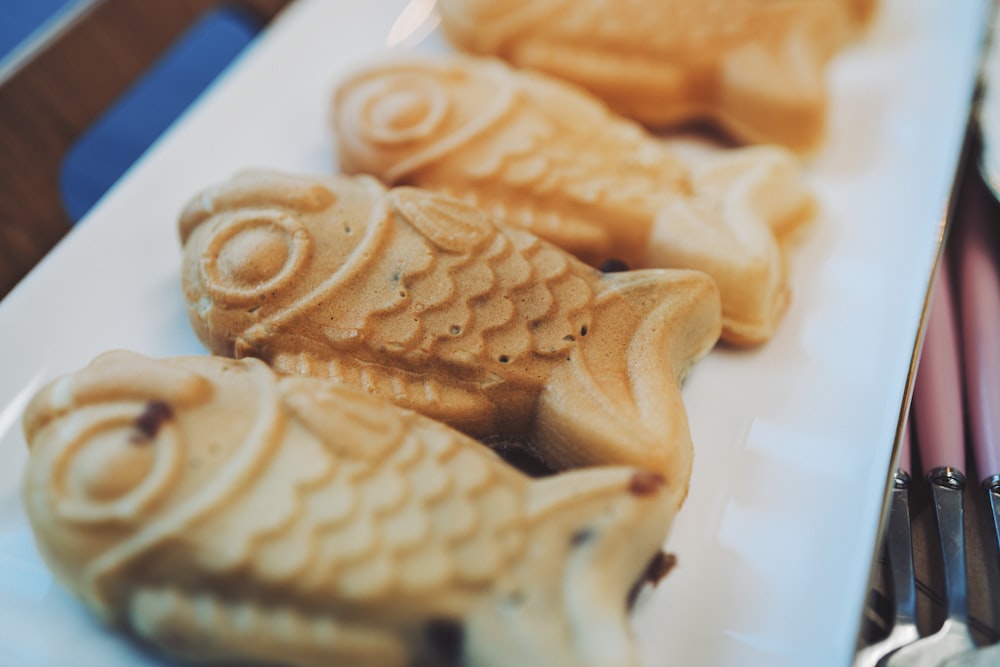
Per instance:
{"type": "Point", "coordinates": [204, 627]}
{"type": "Point", "coordinates": [450, 223]}
{"type": "Point", "coordinates": [568, 490]}
{"type": "Point", "coordinates": [459, 403]}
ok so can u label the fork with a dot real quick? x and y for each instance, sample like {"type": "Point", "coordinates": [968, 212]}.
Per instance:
{"type": "Point", "coordinates": [900, 546]}
{"type": "Point", "coordinates": [979, 285]}
{"type": "Point", "coordinates": [980, 317]}
{"type": "Point", "coordinates": [937, 403]}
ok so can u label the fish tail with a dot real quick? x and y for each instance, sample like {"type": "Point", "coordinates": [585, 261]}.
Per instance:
{"type": "Point", "coordinates": [679, 317]}
{"type": "Point", "coordinates": [744, 212]}
{"type": "Point", "coordinates": [594, 536]}
{"type": "Point", "coordinates": [617, 399]}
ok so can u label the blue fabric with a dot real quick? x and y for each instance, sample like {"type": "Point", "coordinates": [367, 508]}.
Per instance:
{"type": "Point", "coordinates": [21, 18]}
{"type": "Point", "coordinates": [134, 122]}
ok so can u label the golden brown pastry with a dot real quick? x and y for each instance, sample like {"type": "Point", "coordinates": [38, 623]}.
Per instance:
{"type": "Point", "coordinates": [860, 11]}
{"type": "Point", "coordinates": [755, 67]}
{"type": "Point", "coordinates": [550, 158]}
{"type": "Point", "coordinates": [226, 515]}
{"type": "Point", "coordinates": [421, 299]}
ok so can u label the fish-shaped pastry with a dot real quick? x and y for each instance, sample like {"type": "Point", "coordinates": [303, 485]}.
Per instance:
{"type": "Point", "coordinates": [421, 299]}
{"type": "Point", "coordinates": [546, 156]}
{"type": "Point", "coordinates": [226, 515]}
{"type": "Point", "coordinates": [756, 68]}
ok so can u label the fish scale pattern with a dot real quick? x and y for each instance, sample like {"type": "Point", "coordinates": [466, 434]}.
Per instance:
{"type": "Point", "coordinates": [224, 513]}
{"type": "Point", "coordinates": [426, 301]}
{"type": "Point", "coordinates": [482, 311]}
{"type": "Point", "coordinates": [417, 511]}
{"type": "Point", "coordinates": [546, 170]}
{"type": "Point", "coordinates": [546, 156]}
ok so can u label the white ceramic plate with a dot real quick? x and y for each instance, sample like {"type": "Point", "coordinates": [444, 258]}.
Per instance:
{"type": "Point", "coordinates": [794, 440]}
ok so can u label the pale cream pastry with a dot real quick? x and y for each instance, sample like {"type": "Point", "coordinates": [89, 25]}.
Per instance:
{"type": "Point", "coordinates": [548, 157]}
{"type": "Point", "coordinates": [225, 515]}
{"type": "Point", "coordinates": [423, 300]}
{"type": "Point", "coordinates": [757, 68]}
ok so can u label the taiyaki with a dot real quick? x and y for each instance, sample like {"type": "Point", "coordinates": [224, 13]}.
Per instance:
{"type": "Point", "coordinates": [423, 300]}
{"type": "Point", "coordinates": [756, 68]}
{"type": "Point", "coordinates": [226, 515]}
{"type": "Point", "coordinates": [548, 157]}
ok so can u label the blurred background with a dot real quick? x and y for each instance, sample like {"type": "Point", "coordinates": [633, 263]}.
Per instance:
{"type": "Point", "coordinates": [130, 126]}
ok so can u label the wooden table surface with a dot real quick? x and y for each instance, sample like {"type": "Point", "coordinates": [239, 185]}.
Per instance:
{"type": "Point", "coordinates": [53, 94]}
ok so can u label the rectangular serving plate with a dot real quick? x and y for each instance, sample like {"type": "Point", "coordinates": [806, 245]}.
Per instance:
{"type": "Point", "coordinates": [794, 439]}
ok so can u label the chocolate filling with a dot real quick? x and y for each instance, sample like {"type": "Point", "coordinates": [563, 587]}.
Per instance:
{"type": "Point", "coordinates": [613, 266]}
{"type": "Point", "coordinates": [149, 422]}
{"type": "Point", "coordinates": [658, 567]}
{"type": "Point", "coordinates": [644, 483]}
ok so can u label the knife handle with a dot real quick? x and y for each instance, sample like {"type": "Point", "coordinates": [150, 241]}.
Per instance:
{"type": "Point", "coordinates": [979, 288]}
{"type": "Point", "coordinates": [947, 485]}
{"type": "Point", "coordinates": [937, 394]}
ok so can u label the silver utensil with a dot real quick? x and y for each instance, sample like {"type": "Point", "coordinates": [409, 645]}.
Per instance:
{"type": "Point", "coordinates": [980, 306]}
{"type": "Point", "coordinates": [977, 242]}
{"type": "Point", "coordinates": [976, 239]}
{"type": "Point", "coordinates": [984, 657]}
{"type": "Point", "coordinates": [980, 309]}
{"type": "Point", "coordinates": [937, 411]}
{"type": "Point", "coordinates": [900, 547]}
